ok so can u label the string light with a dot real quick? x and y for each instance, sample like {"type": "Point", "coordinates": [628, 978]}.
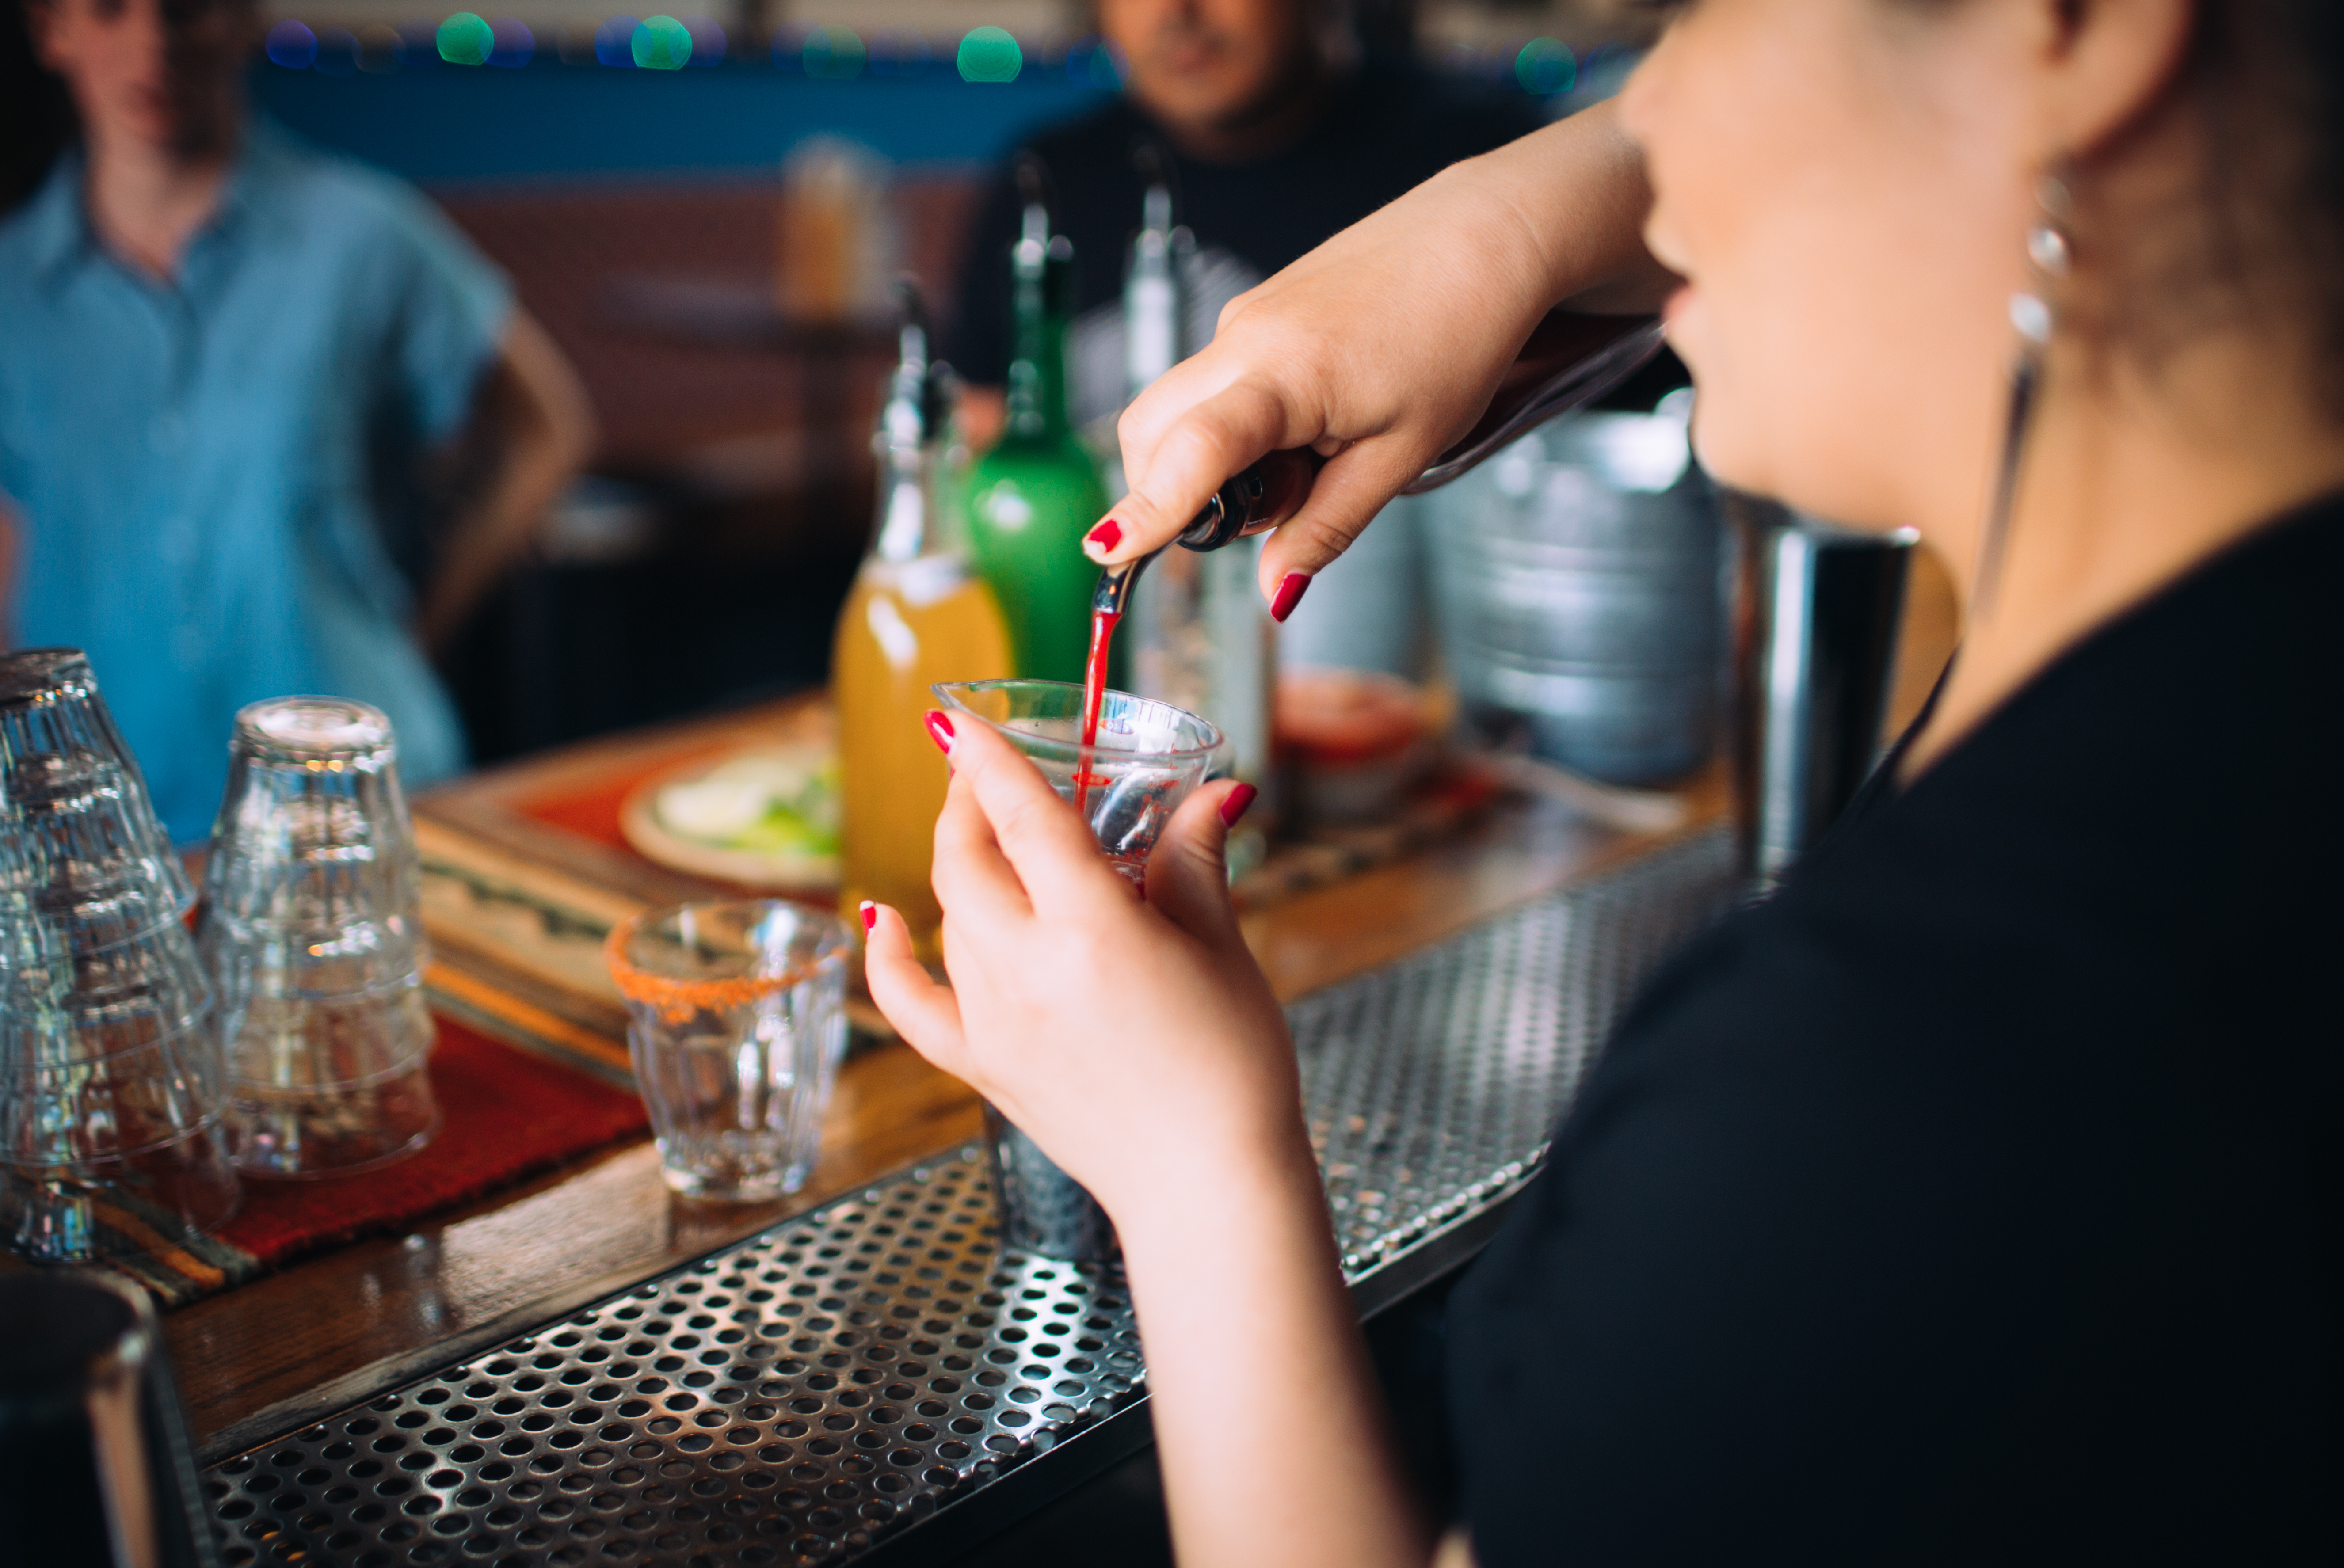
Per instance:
{"type": "Point", "coordinates": [660, 43]}
{"type": "Point", "coordinates": [291, 44]}
{"type": "Point", "coordinates": [990, 55]}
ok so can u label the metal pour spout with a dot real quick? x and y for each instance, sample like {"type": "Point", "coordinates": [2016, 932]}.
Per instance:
{"type": "Point", "coordinates": [1568, 360]}
{"type": "Point", "coordinates": [1254, 501]}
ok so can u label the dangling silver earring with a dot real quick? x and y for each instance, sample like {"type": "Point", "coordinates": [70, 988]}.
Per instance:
{"type": "Point", "coordinates": [2050, 256]}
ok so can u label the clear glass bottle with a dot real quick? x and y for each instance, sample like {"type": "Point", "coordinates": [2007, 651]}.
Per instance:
{"type": "Point", "coordinates": [1033, 496]}
{"type": "Point", "coordinates": [1201, 637]}
{"type": "Point", "coordinates": [918, 614]}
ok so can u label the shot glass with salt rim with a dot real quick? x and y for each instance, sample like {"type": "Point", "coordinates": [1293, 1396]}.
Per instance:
{"type": "Point", "coordinates": [737, 1024]}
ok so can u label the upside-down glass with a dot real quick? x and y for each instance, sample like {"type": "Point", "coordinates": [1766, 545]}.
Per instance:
{"type": "Point", "coordinates": [736, 1024]}
{"type": "Point", "coordinates": [312, 931]}
{"type": "Point", "coordinates": [1150, 756]}
{"type": "Point", "coordinates": [112, 1091]}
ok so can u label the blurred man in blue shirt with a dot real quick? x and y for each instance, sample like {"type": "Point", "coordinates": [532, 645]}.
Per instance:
{"type": "Point", "coordinates": [220, 346]}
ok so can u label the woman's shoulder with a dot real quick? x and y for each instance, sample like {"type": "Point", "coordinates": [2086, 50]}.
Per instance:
{"type": "Point", "coordinates": [2026, 1087]}
{"type": "Point", "coordinates": [2167, 778]}
{"type": "Point", "coordinates": [2138, 847]}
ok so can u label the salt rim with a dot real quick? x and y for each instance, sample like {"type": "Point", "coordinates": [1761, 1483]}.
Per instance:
{"type": "Point", "coordinates": [677, 1000]}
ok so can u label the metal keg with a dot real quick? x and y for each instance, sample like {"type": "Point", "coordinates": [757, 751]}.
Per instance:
{"type": "Point", "coordinates": [1579, 595]}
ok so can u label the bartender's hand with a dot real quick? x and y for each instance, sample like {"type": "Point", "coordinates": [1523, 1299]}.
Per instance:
{"type": "Point", "coordinates": [1381, 348]}
{"type": "Point", "coordinates": [1137, 1043]}
{"type": "Point", "coordinates": [1140, 1045]}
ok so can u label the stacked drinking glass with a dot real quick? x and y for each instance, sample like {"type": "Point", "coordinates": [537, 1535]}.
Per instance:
{"type": "Point", "coordinates": [311, 929]}
{"type": "Point", "coordinates": [112, 1086]}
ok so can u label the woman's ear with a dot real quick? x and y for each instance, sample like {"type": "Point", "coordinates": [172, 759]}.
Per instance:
{"type": "Point", "coordinates": [2105, 66]}
{"type": "Point", "coordinates": [41, 27]}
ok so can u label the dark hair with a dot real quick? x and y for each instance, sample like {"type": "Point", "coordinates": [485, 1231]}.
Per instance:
{"type": "Point", "coordinates": [37, 112]}
{"type": "Point", "coordinates": [205, 46]}
{"type": "Point", "coordinates": [2262, 232]}
{"type": "Point", "coordinates": [2271, 76]}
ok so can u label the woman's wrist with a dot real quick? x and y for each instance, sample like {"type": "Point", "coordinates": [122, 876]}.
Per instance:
{"type": "Point", "coordinates": [1267, 1179]}
{"type": "Point", "coordinates": [1242, 1304]}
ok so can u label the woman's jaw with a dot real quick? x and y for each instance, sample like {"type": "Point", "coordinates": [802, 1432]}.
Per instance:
{"type": "Point", "coordinates": [1831, 181]}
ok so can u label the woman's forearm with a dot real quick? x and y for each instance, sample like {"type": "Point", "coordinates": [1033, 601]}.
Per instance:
{"type": "Point", "coordinates": [1578, 194]}
{"type": "Point", "coordinates": [1382, 346]}
{"type": "Point", "coordinates": [1556, 217]}
{"type": "Point", "coordinates": [1276, 1447]}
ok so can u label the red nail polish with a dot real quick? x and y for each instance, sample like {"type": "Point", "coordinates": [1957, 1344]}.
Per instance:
{"type": "Point", "coordinates": [869, 916]}
{"type": "Point", "coordinates": [1240, 801]}
{"type": "Point", "coordinates": [940, 730]}
{"type": "Point", "coordinates": [1107, 535]}
{"type": "Point", "coordinates": [1289, 594]}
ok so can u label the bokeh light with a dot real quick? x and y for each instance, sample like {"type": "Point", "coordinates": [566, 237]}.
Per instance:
{"type": "Point", "coordinates": [419, 46]}
{"type": "Point", "coordinates": [990, 55]}
{"type": "Point", "coordinates": [379, 49]}
{"type": "Point", "coordinates": [1095, 62]}
{"type": "Point", "coordinates": [708, 41]}
{"type": "Point", "coordinates": [291, 46]}
{"type": "Point", "coordinates": [1546, 67]}
{"type": "Point", "coordinates": [466, 38]}
{"type": "Point", "coordinates": [614, 42]}
{"type": "Point", "coordinates": [513, 46]}
{"type": "Point", "coordinates": [661, 43]}
{"type": "Point", "coordinates": [833, 53]}
{"type": "Point", "coordinates": [337, 52]}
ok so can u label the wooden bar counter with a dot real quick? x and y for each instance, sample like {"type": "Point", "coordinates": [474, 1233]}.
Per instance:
{"type": "Point", "coordinates": [336, 1328]}
{"type": "Point", "coordinates": [333, 1329]}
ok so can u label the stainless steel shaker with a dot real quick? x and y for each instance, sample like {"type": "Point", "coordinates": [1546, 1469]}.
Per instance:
{"type": "Point", "coordinates": [1816, 621]}
{"type": "Point", "coordinates": [1043, 1210]}
{"type": "Point", "coordinates": [96, 1468]}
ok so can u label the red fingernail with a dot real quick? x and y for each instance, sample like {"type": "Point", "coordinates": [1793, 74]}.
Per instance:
{"type": "Point", "coordinates": [940, 731]}
{"type": "Point", "coordinates": [1107, 535]}
{"type": "Point", "coordinates": [1240, 800]}
{"type": "Point", "coordinates": [1289, 594]}
{"type": "Point", "coordinates": [869, 914]}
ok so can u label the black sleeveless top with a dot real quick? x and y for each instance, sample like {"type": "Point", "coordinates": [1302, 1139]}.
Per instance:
{"type": "Point", "coordinates": [1975, 1199]}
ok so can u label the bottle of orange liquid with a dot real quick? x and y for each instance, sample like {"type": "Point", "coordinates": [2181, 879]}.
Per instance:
{"type": "Point", "coordinates": [918, 614]}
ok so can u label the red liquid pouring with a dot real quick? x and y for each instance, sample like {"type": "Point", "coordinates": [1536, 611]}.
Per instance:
{"type": "Point", "coordinates": [1103, 625]}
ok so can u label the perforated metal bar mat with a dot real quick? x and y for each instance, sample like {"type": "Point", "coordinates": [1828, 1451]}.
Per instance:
{"type": "Point", "coordinates": [817, 1392]}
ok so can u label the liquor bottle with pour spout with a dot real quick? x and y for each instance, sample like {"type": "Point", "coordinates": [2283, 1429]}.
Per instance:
{"type": "Point", "coordinates": [918, 614]}
{"type": "Point", "coordinates": [1201, 637]}
{"type": "Point", "coordinates": [1031, 499]}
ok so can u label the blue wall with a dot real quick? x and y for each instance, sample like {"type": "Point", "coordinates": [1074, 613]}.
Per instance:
{"type": "Point", "coordinates": [455, 123]}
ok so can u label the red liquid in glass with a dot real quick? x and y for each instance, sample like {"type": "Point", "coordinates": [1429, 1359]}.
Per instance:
{"type": "Point", "coordinates": [1103, 624]}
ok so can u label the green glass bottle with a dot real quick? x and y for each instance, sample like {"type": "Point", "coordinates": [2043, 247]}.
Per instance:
{"type": "Point", "coordinates": [1031, 499]}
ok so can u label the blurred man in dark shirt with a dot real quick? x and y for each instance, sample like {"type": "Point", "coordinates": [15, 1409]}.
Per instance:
{"type": "Point", "coordinates": [1275, 129]}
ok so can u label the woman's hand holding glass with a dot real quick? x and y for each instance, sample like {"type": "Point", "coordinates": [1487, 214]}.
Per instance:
{"type": "Point", "coordinates": [1137, 1042]}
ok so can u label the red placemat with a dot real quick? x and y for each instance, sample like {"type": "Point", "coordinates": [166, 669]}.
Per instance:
{"type": "Point", "coordinates": [592, 813]}
{"type": "Point", "coordinates": [505, 1115]}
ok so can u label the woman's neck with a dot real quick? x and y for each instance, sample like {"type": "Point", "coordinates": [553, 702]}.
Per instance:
{"type": "Point", "coordinates": [147, 202]}
{"type": "Point", "coordinates": [2130, 482]}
